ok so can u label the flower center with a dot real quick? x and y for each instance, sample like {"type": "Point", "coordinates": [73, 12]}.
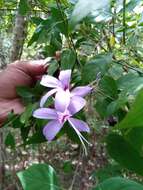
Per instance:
{"type": "Point", "coordinates": [63, 117]}
{"type": "Point", "coordinates": [66, 87]}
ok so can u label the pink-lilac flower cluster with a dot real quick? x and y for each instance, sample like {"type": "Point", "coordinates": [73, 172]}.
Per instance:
{"type": "Point", "coordinates": [67, 103]}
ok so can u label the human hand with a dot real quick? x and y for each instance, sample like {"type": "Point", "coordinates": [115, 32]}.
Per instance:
{"type": "Point", "coordinates": [19, 73]}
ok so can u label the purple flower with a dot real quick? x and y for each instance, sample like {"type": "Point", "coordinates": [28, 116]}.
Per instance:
{"type": "Point", "coordinates": [61, 87]}
{"type": "Point", "coordinates": [60, 115]}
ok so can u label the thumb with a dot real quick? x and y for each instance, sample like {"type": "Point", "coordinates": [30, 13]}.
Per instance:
{"type": "Point", "coordinates": [32, 68]}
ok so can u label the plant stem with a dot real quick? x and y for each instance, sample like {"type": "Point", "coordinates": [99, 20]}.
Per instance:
{"type": "Point", "coordinates": [76, 171]}
{"type": "Point", "coordinates": [69, 38]}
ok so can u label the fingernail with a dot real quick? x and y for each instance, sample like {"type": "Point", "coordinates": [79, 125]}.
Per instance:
{"type": "Point", "coordinates": [38, 77]}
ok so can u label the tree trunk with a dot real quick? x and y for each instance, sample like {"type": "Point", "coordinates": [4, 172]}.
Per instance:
{"type": "Point", "coordinates": [20, 33]}
{"type": "Point", "coordinates": [3, 62]}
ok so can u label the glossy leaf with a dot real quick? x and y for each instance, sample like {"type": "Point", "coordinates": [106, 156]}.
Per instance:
{"type": "Point", "coordinates": [118, 183]}
{"type": "Point", "coordinates": [39, 177]}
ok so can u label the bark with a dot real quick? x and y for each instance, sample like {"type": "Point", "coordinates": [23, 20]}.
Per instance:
{"type": "Point", "coordinates": [3, 62]}
{"type": "Point", "coordinates": [20, 33]}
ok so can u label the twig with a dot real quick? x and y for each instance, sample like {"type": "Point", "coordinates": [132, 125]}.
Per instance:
{"type": "Point", "coordinates": [76, 171]}
{"type": "Point", "coordinates": [120, 62]}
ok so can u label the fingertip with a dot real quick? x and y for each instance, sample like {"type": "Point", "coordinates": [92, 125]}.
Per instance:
{"type": "Point", "coordinates": [37, 67]}
{"type": "Point", "coordinates": [31, 67]}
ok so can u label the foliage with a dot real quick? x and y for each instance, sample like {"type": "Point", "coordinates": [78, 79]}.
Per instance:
{"type": "Point", "coordinates": [101, 44]}
{"type": "Point", "coordinates": [118, 183]}
{"type": "Point", "coordinates": [39, 176]}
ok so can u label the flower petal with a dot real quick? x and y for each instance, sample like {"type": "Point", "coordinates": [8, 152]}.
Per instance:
{"type": "Point", "coordinates": [81, 91]}
{"type": "Point", "coordinates": [76, 104]}
{"type": "Point", "coordinates": [62, 100]}
{"type": "Point", "coordinates": [65, 77]}
{"type": "Point", "coordinates": [79, 124]}
{"type": "Point", "coordinates": [51, 129]}
{"type": "Point", "coordinates": [46, 96]}
{"type": "Point", "coordinates": [50, 81]}
{"type": "Point", "coordinates": [45, 113]}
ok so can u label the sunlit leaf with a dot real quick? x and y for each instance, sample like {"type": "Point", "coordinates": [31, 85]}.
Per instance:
{"type": "Point", "coordinates": [84, 7]}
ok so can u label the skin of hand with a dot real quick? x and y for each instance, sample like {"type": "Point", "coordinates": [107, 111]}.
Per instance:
{"type": "Point", "coordinates": [19, 73]}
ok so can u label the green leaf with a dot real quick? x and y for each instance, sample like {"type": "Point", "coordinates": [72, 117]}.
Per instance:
{"type": "Point", "coordinates": [10, 119]}
{"type": "Point", "coordinates": [55, 41]}
{"type": "Point", "coordinates": [24, 133]}
{"type": "Point", "coordinates": [68, 167]}
{"type": "Point", "coordinates": [135, 137]}
{"type": "Point", "coordinates": [59, 20]}
{"type": "Point", "coordinates": [35, 36]}
{"type": "Point", "coordinates": [16, 123]}
{"type": "Point", "coordinates": [53, 67]}
{"type": "Point", "coordinates": [134, 116]}
{"type": "Point", "coordinates": [36, 138]}
{"type": "Point", "coordinates": [118, 183]}
{"type": "Point", "coordinates": [39, 177]}
{"type": "Point", "coordinates": [36, 20]}
{"type": "Point", "coordinates": [24, 7]}
{"type": "Point", "coordinates": [24, 92]}
{"type": "Point", "coordinates": [10, 141]}
{"type": "Point", "coordinates": [109, 87]}
{"type": "Point", "coordinates": [116, 71]}
{"type": "Point", "coordinates": [115, 105]}
{"type": "Point", "coordinates": [68, 59]}
{"type": "Point", "coordinates": [1, 3]}
{"type": "Point", "coordinates": [107, 172]}
{"type": "Point", "coordinates": [28, 113]}
{"type": "Point", "coordinates": [130, 83]}
{"type": "Point", "coordinates": [132, 4]}
{"type": "Point", "coordinates": [124, 153]}
{"type": "Point", "coordinates": [101, 106]}
{"type": "Point", "coordinates": [100, 64]}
